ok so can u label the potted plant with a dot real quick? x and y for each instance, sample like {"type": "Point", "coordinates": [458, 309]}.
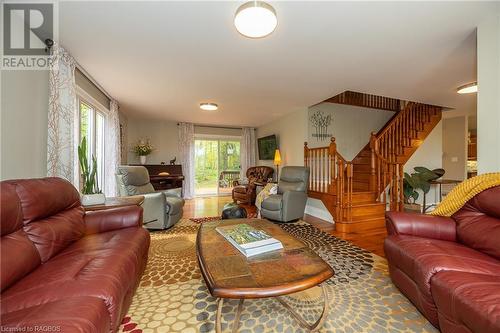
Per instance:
{"type": "Point", "coordinates": [419, 180]}
{"type": "Point", "coordinates": [142, 150]}
{"type": "Point", "coordinates": [91, 194]}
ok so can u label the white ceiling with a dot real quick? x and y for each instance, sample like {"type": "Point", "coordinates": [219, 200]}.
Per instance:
{"type": "Point", "coordinates": [161, 59]}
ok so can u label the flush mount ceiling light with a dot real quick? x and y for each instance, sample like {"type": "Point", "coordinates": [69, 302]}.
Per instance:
{"type": "Point", "coordinates": [255, 19]}
{"type": "Point", "coordinates": [209, 106]}
{"type": "Point", "coordinates": [467, 88]}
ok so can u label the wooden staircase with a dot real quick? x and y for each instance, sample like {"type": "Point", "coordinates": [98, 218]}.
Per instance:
{"type": "Point", "coordinates": [357, 193]}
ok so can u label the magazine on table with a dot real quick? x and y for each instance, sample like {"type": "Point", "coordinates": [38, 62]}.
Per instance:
{"type": "Point", "coordinates": [248, 240]}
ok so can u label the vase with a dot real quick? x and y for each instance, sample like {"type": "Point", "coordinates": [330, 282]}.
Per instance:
{"type": "Point", "coordinates": [92, 199]}
{"type": "Point", "coordinates": [143, 159]}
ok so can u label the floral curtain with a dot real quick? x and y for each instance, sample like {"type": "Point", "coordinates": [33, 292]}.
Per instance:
{"type": "Point", "coordinates": [113, 150]}
{"type": "Point", "coordinates": [62, 118]}
{"type": "Point", "coordinates": [186, 150]}
{"type": "Point", "coordinates": [247, 150]}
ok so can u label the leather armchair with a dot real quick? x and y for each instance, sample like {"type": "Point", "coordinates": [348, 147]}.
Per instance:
{"type": "Point", "coordinates": [449, 267]}
{"type": "Point", "coordinates": [162, 209]}
{"type": "Point", "coordinates": [245, 193]}
{"type": "Point", "coordinates": [290, 202]}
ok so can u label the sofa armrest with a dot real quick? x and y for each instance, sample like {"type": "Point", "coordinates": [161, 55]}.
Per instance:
{"type": "Point", "coordinates": [112, 219]}
{"type": "Point", "coordinates": [421, 225]}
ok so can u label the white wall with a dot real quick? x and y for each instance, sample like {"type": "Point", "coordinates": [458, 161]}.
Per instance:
{"type": "Point", "coordinates": [455, 147]}
{"type": "Point", "coordinates": [488, 99]}
{"type": "Point", "coordinates": [429, 155]}
{"type": "Point", "coordinates": [163, 135]}
{"type": "Point", "coordinates": [24, 112]}
{"type": "Point", "coordinates": [351, 126]}
{"type": "Point", "coordinates": [291, 132]}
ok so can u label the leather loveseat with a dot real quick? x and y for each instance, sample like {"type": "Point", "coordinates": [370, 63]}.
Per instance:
{"type": "Point", "coordinates": [449, 267]}
{"type": "Point", "coordinates": [64, 270]}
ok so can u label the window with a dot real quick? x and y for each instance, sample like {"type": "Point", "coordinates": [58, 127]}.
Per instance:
{"type": "Point", "coordinates": [92, 128]}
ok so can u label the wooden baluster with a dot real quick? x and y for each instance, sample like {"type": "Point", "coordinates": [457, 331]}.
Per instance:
{"type": "Point", "coordinates": [324, 169]}
{"type": "Point", "coordinates": [332, 150]}
{"type": "Point", "coordinates": [373, 145]}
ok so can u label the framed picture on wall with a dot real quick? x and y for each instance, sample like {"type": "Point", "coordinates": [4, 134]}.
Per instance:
{"type": "Point", "coordinates": [267, 146]}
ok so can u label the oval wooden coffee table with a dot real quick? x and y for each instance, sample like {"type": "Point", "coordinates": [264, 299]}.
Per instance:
{"type": "Point", "coordinates": [229, 274]}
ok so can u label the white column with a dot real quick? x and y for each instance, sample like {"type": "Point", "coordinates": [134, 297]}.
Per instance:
{"type": "Point", "coordinates": [488, 99]}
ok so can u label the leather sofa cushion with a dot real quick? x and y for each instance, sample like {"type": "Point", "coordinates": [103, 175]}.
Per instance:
{"type": "Point", "coordinates": [52, 234]}
{"type": "Point", "coordinates": [469, 299]}
{"type": "Point", "coordinates": [45, 197]}
{"type": "Point", "coordinates": [11, 213]}
{"type": "Point", "coordinates": [14, 239]}
{"type": "Point", "coordinates": [421, 258]}
{"type": "Point", "coordinates": [75, 314]}
{"type": "Point", "coordinates": [273, 202]}
{"type": "Point", "coordinates": [134, 175]}
{"type": "Point", "coordinates": [478, 222]}
{"type": "Point", "coordinates": [139, 189]}
{"type": "Point", "coordinates": [105, 265]}
{"type": "Point", "coordinates": [240, 189]}
{"type": "Point", "coordinates": [285, 186]}
{"type": "Point", "coordinates": [18, 258]}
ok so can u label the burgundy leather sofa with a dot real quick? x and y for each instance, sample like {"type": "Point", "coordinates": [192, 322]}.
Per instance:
{"type": "Point", "coordinates": [64, 270]}
{"type": "Point", "coordinates": [449, 267]}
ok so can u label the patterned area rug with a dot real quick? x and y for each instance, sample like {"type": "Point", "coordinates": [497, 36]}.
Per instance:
{"type": "Point", "coordinates": [172, 296]}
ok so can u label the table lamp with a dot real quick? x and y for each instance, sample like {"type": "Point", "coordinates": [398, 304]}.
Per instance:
{"type": "Point", "coordinates": [277, 162]}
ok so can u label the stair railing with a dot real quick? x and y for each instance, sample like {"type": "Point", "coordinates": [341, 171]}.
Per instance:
{"type": "Point", "coordinates": [330, 173]}
{"type": "Point", "coordinates": [388, 151]}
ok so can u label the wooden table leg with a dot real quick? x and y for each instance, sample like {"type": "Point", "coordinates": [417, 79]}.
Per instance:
{"type": "Point", "coordinates": [316, 325]}
{"type": "Point", "coordinates": [218, 316]}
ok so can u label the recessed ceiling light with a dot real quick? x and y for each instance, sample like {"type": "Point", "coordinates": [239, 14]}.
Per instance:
{"type": "Point", "coordinates": [468, 88]}
{"type": "Point", "coordinates": [209, 106]}
{"type": "Point", "coordinates": [255, 19]}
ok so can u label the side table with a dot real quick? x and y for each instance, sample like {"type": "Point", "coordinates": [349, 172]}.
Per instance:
{"type": "Point", "coordinates": [114, 202]}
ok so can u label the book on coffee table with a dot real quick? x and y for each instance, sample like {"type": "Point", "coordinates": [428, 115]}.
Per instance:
{"type": "Point", "coordinates": [248, 240]}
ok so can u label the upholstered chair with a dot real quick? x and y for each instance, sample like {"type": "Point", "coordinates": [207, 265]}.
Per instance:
{"type": "Point", "coordinates": [290, 202]}
{"type": "Point", "coordinates": [162, 209]}
{"type": "Point", "coordinates": [245, 192]}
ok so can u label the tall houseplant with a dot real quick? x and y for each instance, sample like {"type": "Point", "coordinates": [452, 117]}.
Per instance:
{"type": "Point", "coordinates": [419, 180]}
{"type": "Point", "coordinates": [91, 194]}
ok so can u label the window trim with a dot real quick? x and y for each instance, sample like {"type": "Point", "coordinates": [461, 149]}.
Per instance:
{"type": "Point", "coordinates": [86, 98]}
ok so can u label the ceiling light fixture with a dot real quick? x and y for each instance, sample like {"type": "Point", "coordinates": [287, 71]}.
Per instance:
{"type": "Point", "coordinates": [209, 106]}
{"type": "Point", "coordinates": [255, 19]}
{"type": "Point", "coordinates": [467, 88]}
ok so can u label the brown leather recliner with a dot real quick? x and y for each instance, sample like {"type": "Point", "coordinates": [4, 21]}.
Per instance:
{"type": "Point", "coordinates": [62, 268]}
{"type": "Point", "coordinates": [245, 193]}
{"type": "Point", "coordinates": [449, 267]}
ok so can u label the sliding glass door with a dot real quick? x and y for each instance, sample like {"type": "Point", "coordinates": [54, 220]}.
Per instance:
{"type": "Point", "coordinates": [217, 165]}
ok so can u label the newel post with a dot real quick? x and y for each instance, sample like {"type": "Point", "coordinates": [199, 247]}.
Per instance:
{"type": "Point", "coordinates": [373, 164]}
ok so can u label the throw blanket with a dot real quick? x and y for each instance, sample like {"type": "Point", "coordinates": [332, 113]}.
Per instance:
{"type": "Point", "coordinates": [465, 191]}
{"type": "Point", "coordinates": [267, 191]}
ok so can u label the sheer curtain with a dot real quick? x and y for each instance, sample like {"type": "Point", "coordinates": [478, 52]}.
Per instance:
{"type": "Point", "coordinates": [247, 149]}
{"type": "Point", "coordinates": [186, 150]}
{"type": "Point", "coordinates": [62, 133]}
{"type": "Point", "coordinates": [113, 149]}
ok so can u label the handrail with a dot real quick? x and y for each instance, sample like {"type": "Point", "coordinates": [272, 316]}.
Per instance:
{"type": "Point", "coordinates": [331, 173]}
{"type": "Point", "coordinates": [388, 151]}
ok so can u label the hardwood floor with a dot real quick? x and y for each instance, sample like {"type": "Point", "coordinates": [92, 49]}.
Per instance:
{"type": "Point", "coordinates": [371, 240]}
